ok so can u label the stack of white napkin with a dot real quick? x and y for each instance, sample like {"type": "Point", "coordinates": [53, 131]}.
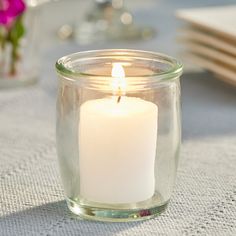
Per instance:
{"type": "Point", "coordinates": [210, 39]}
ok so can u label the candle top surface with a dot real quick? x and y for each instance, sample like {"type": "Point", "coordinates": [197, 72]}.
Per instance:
{"type": "Point", "coordinates": [126, 107]}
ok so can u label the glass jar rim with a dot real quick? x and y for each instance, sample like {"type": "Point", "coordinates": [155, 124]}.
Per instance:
{"type": "Point", "coordinates": [64, 68]}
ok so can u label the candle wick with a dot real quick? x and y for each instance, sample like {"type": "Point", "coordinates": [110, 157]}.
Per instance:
{"type": "Point", "coordinates": [118, 100]}
{"type": "Point", "coordinates": [119, 95]}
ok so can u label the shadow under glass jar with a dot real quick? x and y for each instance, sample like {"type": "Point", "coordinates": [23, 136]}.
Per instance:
{"type": "Point", "coordinates": [118, 132]}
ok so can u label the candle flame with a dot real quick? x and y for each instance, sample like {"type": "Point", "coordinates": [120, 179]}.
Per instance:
{"type": "Point", "coordinates": [118, 80]}
{"type": "Point", "coordinates": [117, 71]}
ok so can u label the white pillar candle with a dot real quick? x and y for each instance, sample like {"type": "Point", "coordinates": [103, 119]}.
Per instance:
{"type": "Point", "coordinates": [117, 149]}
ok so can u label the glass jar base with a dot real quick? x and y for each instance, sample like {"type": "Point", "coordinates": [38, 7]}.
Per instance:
{"type": "Point", "coordinates": [114, 215]}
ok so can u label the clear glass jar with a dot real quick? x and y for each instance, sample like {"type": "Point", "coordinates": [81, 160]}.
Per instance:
{"type": "Point", "coordinates": [19, 56]}
{"type": "Point", "coordinates": [118, 132]}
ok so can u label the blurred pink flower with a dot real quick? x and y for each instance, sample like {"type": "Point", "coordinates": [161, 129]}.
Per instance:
{"type": "Point", "coordinates": [9, 10]}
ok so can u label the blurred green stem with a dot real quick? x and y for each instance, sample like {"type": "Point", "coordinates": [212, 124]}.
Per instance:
{"type": "Point", "coordinates": [13, 37]}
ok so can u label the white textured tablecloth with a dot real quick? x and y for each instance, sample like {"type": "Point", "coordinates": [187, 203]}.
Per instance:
{"type": "Point", "coordinates": [31, 197]}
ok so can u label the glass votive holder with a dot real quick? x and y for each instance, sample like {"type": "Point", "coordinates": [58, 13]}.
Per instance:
{"type": "Point", "coordinates": [118, 132]}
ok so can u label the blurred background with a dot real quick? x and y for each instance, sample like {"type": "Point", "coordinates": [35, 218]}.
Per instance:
{"type": "Point", "coordinates": [156, 22]}
{"type": "Point", "coordinates": [59, 27]}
